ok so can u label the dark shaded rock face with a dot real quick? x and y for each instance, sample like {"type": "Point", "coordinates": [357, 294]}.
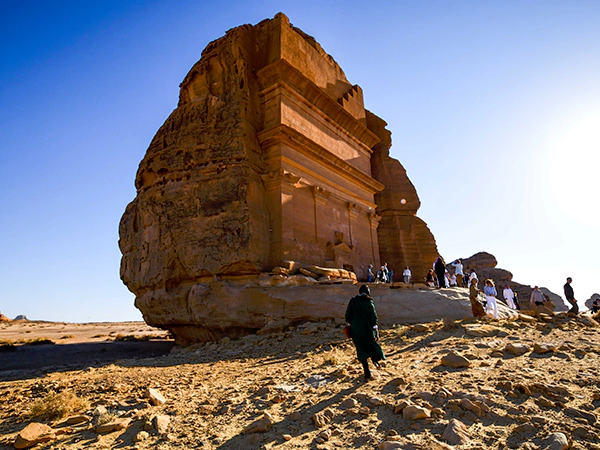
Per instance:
{"type": "Point", "coordinates": [270, 156]}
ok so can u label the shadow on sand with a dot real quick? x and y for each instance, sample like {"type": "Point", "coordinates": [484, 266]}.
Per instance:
{"type": "Point", "coordinates": [31, 361]}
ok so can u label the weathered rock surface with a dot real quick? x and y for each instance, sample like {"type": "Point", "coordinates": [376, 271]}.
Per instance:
{"type": "Point", "coordinates": [456, 433]}
{"type": "Point", "coordinates": [215, 391]}
{"type": "Point", "coordinates": [589, 302]}
{"type": "Point", "coordinates": [250, 308]}
{"type": "Point", "coordinates": [485, 266]}
{"type": "Point", "coordinates": [270, 156]}
{"type": "Point", "coordinates": [33, 434]}
{"type": "Point", "coordinates": [453, 359]}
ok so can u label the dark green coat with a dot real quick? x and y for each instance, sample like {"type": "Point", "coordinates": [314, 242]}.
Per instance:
{"type": "Point", "coordinates": [361, 316]}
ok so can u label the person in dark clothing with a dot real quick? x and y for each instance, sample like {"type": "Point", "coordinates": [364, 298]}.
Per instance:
{"type": "Point", "coordinates": [570, 296]}
{"type": "Point", "coordinates": [363, 321]}
{"type": "Point", "coordinates": [440, 271]}
{"type": "Point", "coordinates": [429, 279]}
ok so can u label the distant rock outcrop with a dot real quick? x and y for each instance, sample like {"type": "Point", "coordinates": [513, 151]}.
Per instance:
{"type": "Point", "coordinates": [484, 265]}
{"type": "Point", "coordinates": [3, 318]}
{"type": "Point", "coordinates": [22, 317]}
{"type": "Point", "coordinates": [590, 301]}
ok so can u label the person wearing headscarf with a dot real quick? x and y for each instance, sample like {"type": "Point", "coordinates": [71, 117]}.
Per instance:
{"type": "Point", "coordinates": [476, 307]}
{"type": "Point", "coordinates": [509, 297]}
{"type": "Point", "coordinates": [364, 326]}
{"type": "Point", "coordinates": [490, 297]}
{"type": "Point", "coordinates": [440, 270]}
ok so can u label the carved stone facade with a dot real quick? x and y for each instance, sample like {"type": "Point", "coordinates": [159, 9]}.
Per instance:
{"type": "Point", "coordinates": [269, 157]}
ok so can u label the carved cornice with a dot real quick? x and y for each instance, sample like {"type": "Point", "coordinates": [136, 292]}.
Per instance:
{"type": "Point", "coordinates": [324, 157]}
{"type": "Point", "coordinates": [280, 178]}
{"type": "Point", "coordinates": [281, 72]}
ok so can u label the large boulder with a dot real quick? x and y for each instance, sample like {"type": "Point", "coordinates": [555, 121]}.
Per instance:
{"type": "Point", "coordinates": [270, 156]}
{"type": "Point", "coordinates": [484, 265]}
{"type": "Point", "coordinates": [588, 303]}
{"type": "Point", "coordinates": [217, 309]}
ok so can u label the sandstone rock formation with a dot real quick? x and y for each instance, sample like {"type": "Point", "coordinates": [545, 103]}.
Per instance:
{"type": "Point", "coordinates": [272, 307]}
{"type": "Point", "coordinates": [589, 302]}
{"type": "Point", "coordinates": [485, 267]}
{"type": "Point", "coordinates": [270, 156]}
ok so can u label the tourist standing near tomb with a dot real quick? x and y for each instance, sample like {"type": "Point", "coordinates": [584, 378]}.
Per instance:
{"type": "Point", "coordinates": [509, 297]}
{"type": "Point", "coordinates": [429, 280]}
{"type": "Point", "coordinates": [537, 298]}
{"type": "Point", "coordinates": [490, 297]}
{"type": "Point", "coordinates": [390, 276]}
{"type": "Point", "coordinates": [440, 271]}
{"type": "Point", "coordinates": [472, 275]}
{"type": "Point", "coordinates": [370, 274]}
{"type": "Point", "coordinates": [570, 296]}
{"type": "Point", "coordinates": [447, 278]}
{"type": "Point", "coordinates": [476, 307]}
{"type": "Point", "coordinates": [382, 273]}
{"type": "Point", "coordinates": [363, 321]}
{"type": "Point", "coordinates": [407, 274]}
{"type": "Point", "coordinates": [516, 300]}
{"type": "Point", "coordinates": [458, 271]}
{"type": "Point", "coordinates": [596, 306]}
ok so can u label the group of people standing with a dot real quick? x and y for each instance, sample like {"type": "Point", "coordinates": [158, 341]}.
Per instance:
{"type": "Point", "coordinates": [363, 322]}
{"type": "Point", "coordinates": [439, 276]}
{"type": "Point", "coordinates": [384, 274]}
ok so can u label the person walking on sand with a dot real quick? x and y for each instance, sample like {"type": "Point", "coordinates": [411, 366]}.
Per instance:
{"type": "Point", "coordinates": [476, 307]}
{"type": "Point", "coordinates": [509, 297]}
{"type": "Point", "coordinates": [407, 274]}
{"type": "Point", "coordinates": [440, 271]}
{"type": "Point", "coordinates": [490, 297]}
{"type": "Point", "coordinates": [570, 296]}
{"type": "Point", "coordinates": [363, 321]}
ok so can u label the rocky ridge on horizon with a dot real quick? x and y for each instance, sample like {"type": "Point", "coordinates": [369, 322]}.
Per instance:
{"type": "Point", "coordinates": [485, 267]}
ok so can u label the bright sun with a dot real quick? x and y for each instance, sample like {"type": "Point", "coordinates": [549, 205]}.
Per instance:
{"type": "Point", "coordinates": [575, 169]}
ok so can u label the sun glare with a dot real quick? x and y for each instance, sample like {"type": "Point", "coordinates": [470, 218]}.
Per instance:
{"type": "Point", "coordinates": [574, 167]}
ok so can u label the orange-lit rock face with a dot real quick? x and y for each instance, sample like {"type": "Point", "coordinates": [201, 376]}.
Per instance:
{"type": "Point", "coordinates": [404, 239]}
{"type": "Point", "coordinates": [267, 158]}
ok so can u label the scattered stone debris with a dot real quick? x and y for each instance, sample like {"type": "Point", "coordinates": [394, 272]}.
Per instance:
{"type": "Point", "coordinates": [307, 391]}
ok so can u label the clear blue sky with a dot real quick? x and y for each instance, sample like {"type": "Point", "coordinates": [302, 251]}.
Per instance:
{"type": "Point", "coordinates": [494, 108]}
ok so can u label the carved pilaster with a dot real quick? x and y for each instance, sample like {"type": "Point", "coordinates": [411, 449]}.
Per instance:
{"type": "Point", "coordinates": [321, 195]}
{"type": "Point", "coordinates": [374, 220]}
{"type": "Point", "coordinates": [353, 211]}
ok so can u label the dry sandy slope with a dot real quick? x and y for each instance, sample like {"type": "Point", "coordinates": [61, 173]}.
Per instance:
{"type": "Point", "coordinates": [70, 333]}
{"type": "Point", "coordinates": [214, 391]}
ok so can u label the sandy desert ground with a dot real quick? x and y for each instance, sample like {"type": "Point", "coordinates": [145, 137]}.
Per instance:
{"type": "Point", "coordinates": [529, 383]}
